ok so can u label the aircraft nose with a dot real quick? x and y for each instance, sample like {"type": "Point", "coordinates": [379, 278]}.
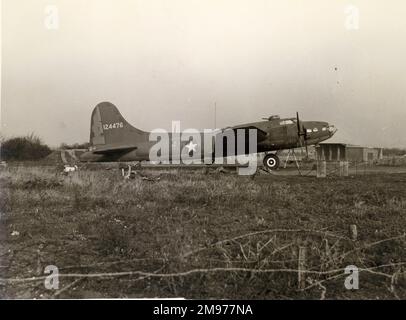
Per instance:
{"type": "Point", "coordinates": [331, 129]}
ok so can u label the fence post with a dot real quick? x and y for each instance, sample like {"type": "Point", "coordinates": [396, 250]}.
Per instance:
{"type": "Point", "coordinates": [353, 232]}
{"type": "Point", "coordinates": [344, 168]}
{"type": "Point", "coordinates": [301, 277]}
{"type": "Point", "coordinates": [321, 169]}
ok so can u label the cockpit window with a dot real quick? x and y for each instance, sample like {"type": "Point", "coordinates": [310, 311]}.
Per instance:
{"type": "Point", "coordinates": [285, 122]}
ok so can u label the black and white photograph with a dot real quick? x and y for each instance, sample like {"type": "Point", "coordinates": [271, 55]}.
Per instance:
{"type": "Point", "coordinates": [210, 150]}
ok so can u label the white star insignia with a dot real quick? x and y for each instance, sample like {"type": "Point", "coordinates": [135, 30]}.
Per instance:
{"type": "Point", "coordinates": [191, 146]}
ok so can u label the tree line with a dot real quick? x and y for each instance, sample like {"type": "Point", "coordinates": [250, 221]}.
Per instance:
{"type": "Point", "coordinates": [30, 147]}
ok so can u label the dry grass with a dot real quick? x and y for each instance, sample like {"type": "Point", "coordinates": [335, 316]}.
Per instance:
{"type": "Point", "coordinates": [200, 235]}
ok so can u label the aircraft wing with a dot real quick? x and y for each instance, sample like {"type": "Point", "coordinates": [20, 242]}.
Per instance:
{"type": "Point", "coordinates": [112, 149]}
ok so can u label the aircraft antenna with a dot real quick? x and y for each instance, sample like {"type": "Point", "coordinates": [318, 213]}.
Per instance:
{"type": "Point", "coordinates": [215, 115]}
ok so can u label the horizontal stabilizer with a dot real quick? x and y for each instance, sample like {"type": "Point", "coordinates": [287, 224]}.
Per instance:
{"type": "Point", "coordinates": [106, 149]}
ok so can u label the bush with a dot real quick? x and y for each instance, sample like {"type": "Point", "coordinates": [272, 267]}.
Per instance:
{"type": "Point", "coordinates": [29, 147]}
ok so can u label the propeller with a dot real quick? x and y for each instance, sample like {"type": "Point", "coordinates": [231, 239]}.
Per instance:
{"type": "Point", "coordinates": [301, 131]}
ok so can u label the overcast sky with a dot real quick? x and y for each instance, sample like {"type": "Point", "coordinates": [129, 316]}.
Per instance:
{"type": "Point", "coordinates": [158, 61]}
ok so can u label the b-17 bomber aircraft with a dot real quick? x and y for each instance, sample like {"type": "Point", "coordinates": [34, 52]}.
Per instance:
{"type": "Point", "coordinates": [112, 138]}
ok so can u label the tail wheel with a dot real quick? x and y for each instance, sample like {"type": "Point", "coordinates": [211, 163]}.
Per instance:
{"type": "Point", "coordinates": [271, 162]}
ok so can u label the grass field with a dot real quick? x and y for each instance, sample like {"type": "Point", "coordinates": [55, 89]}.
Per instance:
{"type": "Point", "coordinates": [198, 234]}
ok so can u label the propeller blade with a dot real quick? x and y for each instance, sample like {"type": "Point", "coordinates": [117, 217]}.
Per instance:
{"type": "Point", "coordinates": [304, 132]}
{"type": "Point", "coordinates": [298, 124]}
{"type": "Point", "coordinates": [299, 133]}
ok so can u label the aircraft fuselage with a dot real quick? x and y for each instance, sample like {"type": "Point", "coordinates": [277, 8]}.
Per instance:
{"type": "Point", "coordinates": [113, 139]}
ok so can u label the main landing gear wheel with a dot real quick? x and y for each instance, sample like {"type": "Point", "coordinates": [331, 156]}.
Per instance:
{"type": "Point", "coordinates": [271, 162]}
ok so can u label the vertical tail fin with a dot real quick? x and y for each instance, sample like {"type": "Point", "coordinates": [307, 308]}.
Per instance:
{"type": "Point", "coordinates": [109, 128]}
